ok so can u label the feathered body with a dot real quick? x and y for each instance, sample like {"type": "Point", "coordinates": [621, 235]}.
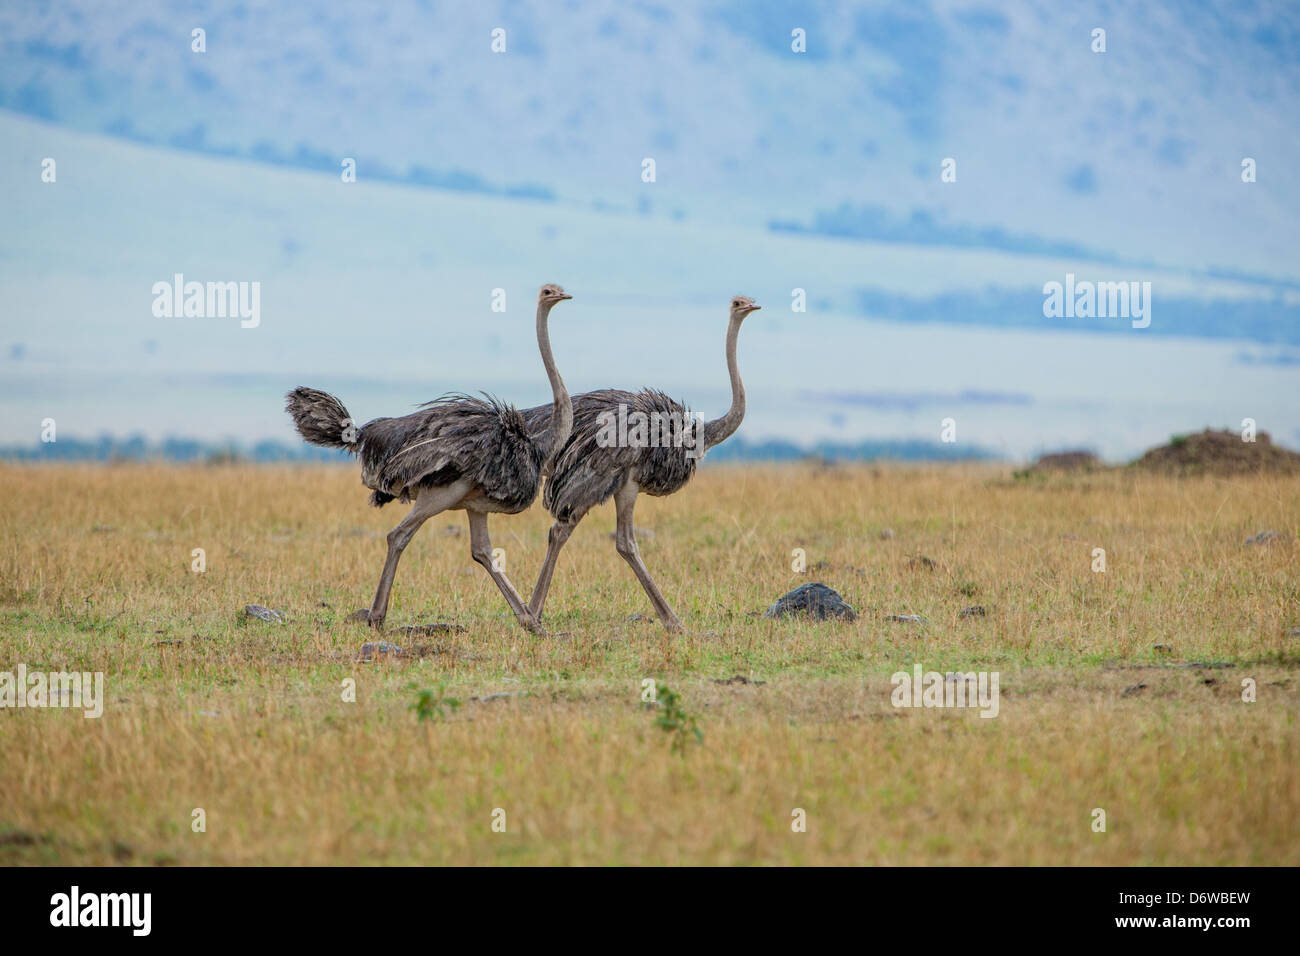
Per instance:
{"type": "Point", "coordinates": [453, 437]}
{"type": "Point", "coordinates": [456, 453]}
{"type": "Point", "coordinates": [590, 468]}
{"type": "Point", "coordinates": [457, 436]}
{"type": "Point", "coordinates": [587, 474]}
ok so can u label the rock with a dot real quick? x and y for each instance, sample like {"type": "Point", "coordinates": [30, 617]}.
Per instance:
{"type": "Point", "coordinates": [21, 838]}
{"type": "Point", "coordinates": [1264, 537]}
{"type": "Point", "coordinates": [975, 610]}
{"type": "Point", "coordinates": [738, 679]}
{"type": "Point", "coordinates": [814, 599]}
{"type": "Point", "coordinates": [263, 613]}
{"type": "Point", "coordinates": [906, 618]}
{"type": "Point", "coordinates": [374, 650]}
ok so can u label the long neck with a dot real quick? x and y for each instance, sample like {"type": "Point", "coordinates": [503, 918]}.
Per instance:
{"type": "Point", "coordinates": [562, 411]}
{"type": "Point", "coordinates": [720, 429]}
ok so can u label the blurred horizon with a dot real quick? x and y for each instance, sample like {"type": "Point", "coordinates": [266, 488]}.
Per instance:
{"type": "Point", "coordinates": [810, 178]}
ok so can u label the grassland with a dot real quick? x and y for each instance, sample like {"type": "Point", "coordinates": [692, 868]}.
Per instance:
{"type": "Point", "coordinates": [1120, 690]}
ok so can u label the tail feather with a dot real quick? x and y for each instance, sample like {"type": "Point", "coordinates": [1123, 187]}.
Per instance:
{"type": "Point", "coordinates": [321, 419]}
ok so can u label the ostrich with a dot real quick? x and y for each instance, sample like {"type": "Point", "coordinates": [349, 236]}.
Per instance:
{"type": "Point", "coordinates": [588, 471]}
{"type": "Point", "coordinates": [456, 453]}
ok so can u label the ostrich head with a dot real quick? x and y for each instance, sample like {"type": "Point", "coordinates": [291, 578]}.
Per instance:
{"type": "Point", "coordinates": [742, 305]}
{"type": "Point", "coordinates": [551, 293]}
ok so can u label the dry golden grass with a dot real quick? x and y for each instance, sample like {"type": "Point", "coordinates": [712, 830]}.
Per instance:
{"type": "Point", "coordinates": [246, 720]}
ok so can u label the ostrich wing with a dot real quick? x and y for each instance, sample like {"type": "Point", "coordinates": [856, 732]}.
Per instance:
{"type": "Point", "coordinates": [450, 438]}
{"type": "Point", "coordinates": [588, 471]}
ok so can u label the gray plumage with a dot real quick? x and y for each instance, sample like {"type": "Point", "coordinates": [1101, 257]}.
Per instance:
{"type": "Point", "coordinates": [587, 475]}
{"type": "Point", "coordinates": [589, 469]}
{"type": "Point", "coordinates": [457, 436]}
{"type": "Point", "coordinates": [320, 418]}
{"type": "Point", "coordinates": [455, 452]}
{"type": "Point", "coordinates": [453, 437]}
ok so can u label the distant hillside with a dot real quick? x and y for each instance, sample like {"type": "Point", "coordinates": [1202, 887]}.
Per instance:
{"type": "Point", "coordinates": [137, 448]}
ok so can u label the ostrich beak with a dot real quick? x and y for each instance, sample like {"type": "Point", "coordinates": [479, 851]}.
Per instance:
{"type": "Point", "coordinates": [562, 296]}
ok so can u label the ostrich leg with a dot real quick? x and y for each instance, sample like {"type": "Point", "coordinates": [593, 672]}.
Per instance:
{"type": "Point", "coordinates": [624, 502]}
{"type": "Point", "coordinates": [428, 504]}
{"type": "Point", "coordinates": [481, 549]}
{"type": "Point", "coordinates": [560, 532]}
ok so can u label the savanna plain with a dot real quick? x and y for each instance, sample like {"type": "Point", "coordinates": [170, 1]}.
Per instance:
{"type": "Point", "coordinates": [1126, 690]}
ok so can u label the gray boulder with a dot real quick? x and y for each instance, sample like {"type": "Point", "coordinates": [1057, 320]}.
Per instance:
{"type": "Point", "coordinates": [815, 600]}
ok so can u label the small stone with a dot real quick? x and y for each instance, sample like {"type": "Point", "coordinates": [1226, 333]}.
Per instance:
{"type": "Point", "coordinates": [263, 613]}
{"type": "Point", "coordinates": [373, 650]}
{"type": "Point", "coordinates": [814, 599]}
{"type": "Point", "coordinates": [1264, 537]}
{"type": "Point", "coordinates": [906, 618]}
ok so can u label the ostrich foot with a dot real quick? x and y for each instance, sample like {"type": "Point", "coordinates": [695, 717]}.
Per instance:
{"type": "Point", "coordinates": [363, 616]}
{"type": "Point", "coordinates": [673, 625]}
